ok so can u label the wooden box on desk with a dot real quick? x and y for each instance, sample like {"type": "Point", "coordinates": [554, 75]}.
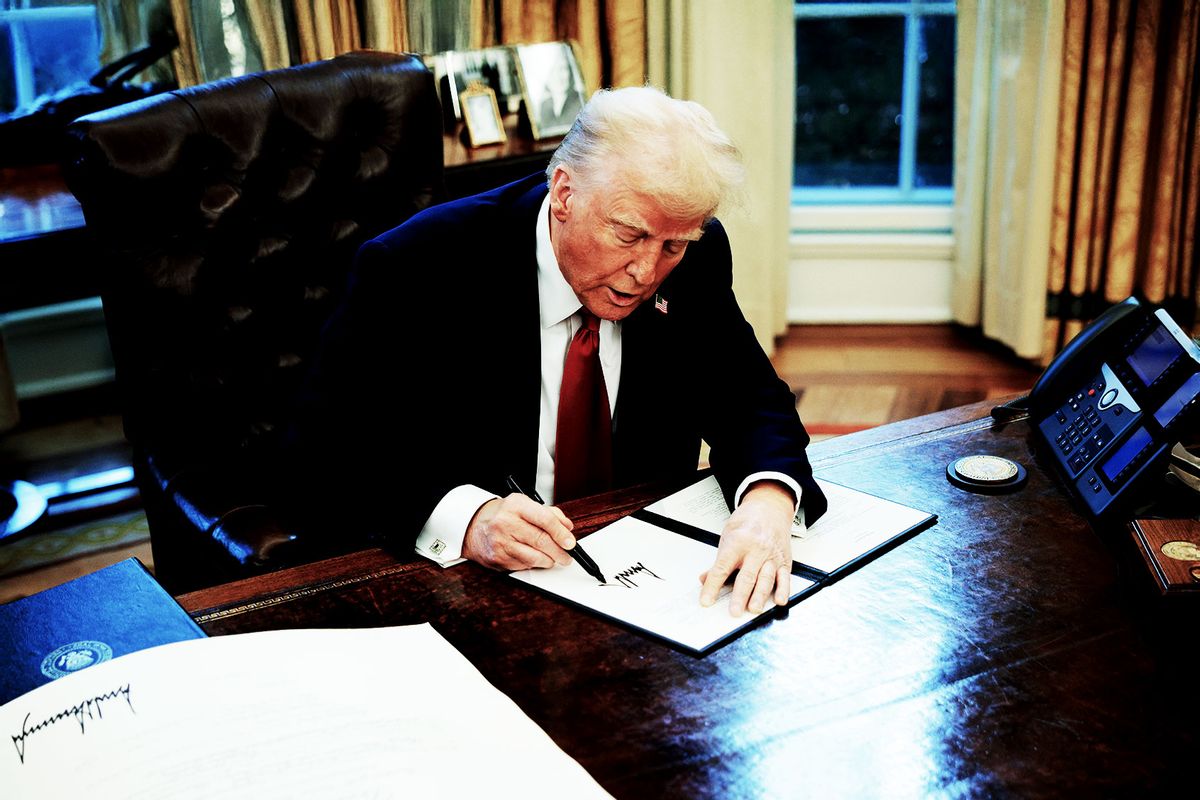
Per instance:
{"type": "Point", "coordinates": [1171, 550]}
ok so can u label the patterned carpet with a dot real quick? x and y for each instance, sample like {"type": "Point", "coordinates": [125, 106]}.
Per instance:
{"type": "Point", "coordinates": [51, 547]}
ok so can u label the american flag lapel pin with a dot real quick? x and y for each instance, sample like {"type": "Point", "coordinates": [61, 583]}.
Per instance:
{"type": "Point", "coordinates": [660, 303]}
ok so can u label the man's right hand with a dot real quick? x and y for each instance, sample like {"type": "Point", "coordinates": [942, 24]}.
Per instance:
{"type": "Point", "coordinates": [515, 532]}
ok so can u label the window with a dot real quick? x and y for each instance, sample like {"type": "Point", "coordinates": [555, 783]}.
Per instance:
{"type": "Point", "coordinates": [874, 102]}
{"type": "Point", "coordinates": [44, 47]}
{"type": "Point", "coordinates": [872, 197]}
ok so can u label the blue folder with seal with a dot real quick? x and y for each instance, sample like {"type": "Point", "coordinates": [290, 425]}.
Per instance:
{"type": "Point", "coordinates": [94, 618]}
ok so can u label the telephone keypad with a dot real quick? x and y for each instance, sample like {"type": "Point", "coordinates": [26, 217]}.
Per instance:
{"type": "Point", "coordinates": [1082, 433]}
{"type": "Point", "coordinates": [1086, 446]}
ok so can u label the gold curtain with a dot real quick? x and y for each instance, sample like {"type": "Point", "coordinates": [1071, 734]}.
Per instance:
{"type": "Point", "coordinates": [609, 35]}
{"type": "Point", "coordinates": [325, 28]}
{"type": "Point", "coordinates": [1125, 205]}
{"type": "Point", "coordinates": [385, 25]}
{"type": "Point", "coordinates": [186, 57]}
{"type": "Point", "coordinates": [269, 30]}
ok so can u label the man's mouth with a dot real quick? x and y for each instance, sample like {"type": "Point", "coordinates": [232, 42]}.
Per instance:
{"type": "Point", "coordinates": [620, 298]}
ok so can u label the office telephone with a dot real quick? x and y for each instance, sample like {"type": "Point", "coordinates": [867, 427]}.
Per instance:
{"type": "Point", "coordinates": [1113, 403]}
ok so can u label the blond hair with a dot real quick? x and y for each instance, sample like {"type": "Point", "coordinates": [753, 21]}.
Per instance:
{"type": "Point", "coordinates": [668, 149]}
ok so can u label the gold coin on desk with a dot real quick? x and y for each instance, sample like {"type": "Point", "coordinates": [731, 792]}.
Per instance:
{"type": "Point", "coordinates": [988, 469]}
{"type": "Point", "coordinates": [1182, 550]}
{"type": "Point", "coordinates": [986, 474]}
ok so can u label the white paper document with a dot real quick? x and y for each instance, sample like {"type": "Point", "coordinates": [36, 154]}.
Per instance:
{"type": "Point", "coordinates": [701, 505]}
{"type": "Point", "coordinates": [855, 524]}
{"type": "Point", "coordinates": [653, 583]}
{"type": "Point", "coordinates": [369, 713]}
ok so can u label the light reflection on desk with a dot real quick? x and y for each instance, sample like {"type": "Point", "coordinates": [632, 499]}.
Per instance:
{"type": "Point", "coordinates": [834, 739]}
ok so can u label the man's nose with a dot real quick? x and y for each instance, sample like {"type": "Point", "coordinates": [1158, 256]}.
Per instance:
{"type": "Point", "coordinates": [642, 264]}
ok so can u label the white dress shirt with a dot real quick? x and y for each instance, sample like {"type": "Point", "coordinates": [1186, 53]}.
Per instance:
{"type": "Point", "coordinates": [441, 538]}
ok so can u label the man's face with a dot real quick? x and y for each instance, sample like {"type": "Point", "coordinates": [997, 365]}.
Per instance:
{"type": "Point", "coordinates": [615, 246]}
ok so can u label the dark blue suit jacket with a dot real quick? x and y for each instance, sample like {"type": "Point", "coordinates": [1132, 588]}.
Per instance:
{"type": "Point", "coordinates": [446, 306]}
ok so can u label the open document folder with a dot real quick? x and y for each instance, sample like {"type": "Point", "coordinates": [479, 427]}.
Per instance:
{"type": "Point", "coordinates": [382, 712]}
{"type": "Point", "coordinates": [652, 560]}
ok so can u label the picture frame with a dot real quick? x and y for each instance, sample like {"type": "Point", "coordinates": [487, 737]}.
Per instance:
{"type": "Point", "coordinates": [551, 87]}
{"type": "Point", "coordinates": [455, 70]}
{"type": "Point", "coordinates": [481, 115]}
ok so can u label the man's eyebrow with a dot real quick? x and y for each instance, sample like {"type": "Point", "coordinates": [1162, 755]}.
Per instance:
{"type": "Point", "coordinates": [690, 236]}
{"type": "Point", "coordinates": [627, 223]}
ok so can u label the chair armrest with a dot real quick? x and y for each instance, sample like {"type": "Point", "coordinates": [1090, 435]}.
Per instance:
{"type": "Point", "coordinates": [229, 507]}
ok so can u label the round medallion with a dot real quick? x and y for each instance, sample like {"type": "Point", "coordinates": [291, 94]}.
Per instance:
{"type": "Point", "coordinates": [986, 469]}
{"type": "Point", "coordinates": [1181, 550]}
{"type": "Point", "coordinates": [74, 657]}
{"type": "Point", "coordinates": [986, 474]}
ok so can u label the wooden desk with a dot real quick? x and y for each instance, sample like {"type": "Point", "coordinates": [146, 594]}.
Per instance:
{"type": "Point", "coordinates": [995, 654]}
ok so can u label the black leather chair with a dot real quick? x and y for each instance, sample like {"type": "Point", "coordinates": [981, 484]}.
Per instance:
{"type": "Point", "coordinates": [225, 218]}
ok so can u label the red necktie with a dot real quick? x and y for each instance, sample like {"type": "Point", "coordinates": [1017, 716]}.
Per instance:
{"type": "Point", "coordinates": [583, 443]}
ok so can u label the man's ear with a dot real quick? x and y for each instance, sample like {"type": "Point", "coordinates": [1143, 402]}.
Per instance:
{"type": "Point", "coordinates": [562, 193]}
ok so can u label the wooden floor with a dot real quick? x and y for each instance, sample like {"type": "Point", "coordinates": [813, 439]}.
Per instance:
{"type": "Point", "coordinates": [846, 378]}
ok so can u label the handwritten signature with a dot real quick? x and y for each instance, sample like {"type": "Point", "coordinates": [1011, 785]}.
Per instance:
{"type": "Point", "coordinates": [90, 709]}
{"type": "Point", "coordinates": [625, 578]}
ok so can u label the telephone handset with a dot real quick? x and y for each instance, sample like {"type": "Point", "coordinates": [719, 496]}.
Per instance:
{"type": "Point", "coordinates": [1114, 401]}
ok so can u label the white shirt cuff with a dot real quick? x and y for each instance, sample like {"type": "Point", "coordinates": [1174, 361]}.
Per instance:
{"type": "Point", "coordinates": [441, 539]}
{"type": "Point", "coordinates": [786, 480]}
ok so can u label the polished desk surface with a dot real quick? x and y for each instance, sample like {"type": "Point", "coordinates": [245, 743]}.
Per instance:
{"type": "Point", "coordinates": [998, 653]}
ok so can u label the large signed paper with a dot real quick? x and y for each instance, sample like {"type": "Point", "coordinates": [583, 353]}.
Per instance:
{"type": "Point", "coordinates": [372, 713]}
{"type": "Point", "coordinates": [653, 583]}
{"type": "Point", "coordinates": [856, 523]}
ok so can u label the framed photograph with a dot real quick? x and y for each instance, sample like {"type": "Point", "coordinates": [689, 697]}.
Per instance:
{"type": "Point", "coordinates": [551, 85]}
{"type": "Point", "coordinates": [455, 70]}
{"type": "Point", "coordinates": [481, 115]}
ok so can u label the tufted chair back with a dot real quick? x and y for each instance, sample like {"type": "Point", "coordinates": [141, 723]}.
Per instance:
{"type": "Point", "coordinates": [226, 218]}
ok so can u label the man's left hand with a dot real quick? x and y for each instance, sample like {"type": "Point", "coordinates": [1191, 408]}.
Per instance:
{"type": "Point", "coordinates": [757, 543]}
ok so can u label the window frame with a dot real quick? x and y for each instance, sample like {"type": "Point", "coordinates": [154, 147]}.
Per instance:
{"type": "Point", "coordinates": [19, 57]}
{"type": "Point", "coordinates": [905, 193]}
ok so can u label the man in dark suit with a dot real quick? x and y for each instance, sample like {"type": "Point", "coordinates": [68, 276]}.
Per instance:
{"type": "Point", "coordinates": [568, 332]}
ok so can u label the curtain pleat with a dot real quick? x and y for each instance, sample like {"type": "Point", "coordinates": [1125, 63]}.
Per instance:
{"type": "Point", "coordinates": [385, 26]}
{"type": "Point", "coordinates": [625, 30]}
{"type": "Point", "coordinates": [1125, 205]}
{"type": "Point", "coordinates": [336, 27]}
{"type": "Point", "coordinates": [185, 57]}
{"type": "Point", "coordinates": [306, 33]}
{"type": "Point", "coordinates": [269, 30]}
{"type": "Point", "coordinates": [483, 24]}
{"type": "Point", "coordinates": [326, 28]}
{"type": "Point", "coordinates": [608, 35]}
{"type": "Point", "coordinates": [1007, 124]}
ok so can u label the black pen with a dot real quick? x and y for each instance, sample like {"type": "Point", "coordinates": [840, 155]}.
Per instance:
{"type": "Point", "coordinates": [577, 552]}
